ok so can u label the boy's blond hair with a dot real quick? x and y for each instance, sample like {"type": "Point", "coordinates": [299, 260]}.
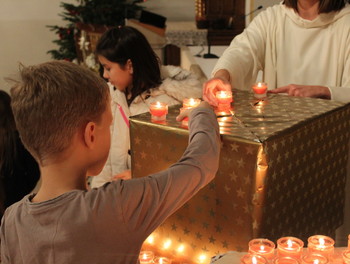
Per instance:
{"type": "Point", "coordinates": [51, 101]}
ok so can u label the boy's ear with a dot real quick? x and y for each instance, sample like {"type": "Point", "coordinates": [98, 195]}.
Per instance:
{"type": "Point", "coordinates": [89, 134]}
{"type": "Point", "coordinates": [129, 66]}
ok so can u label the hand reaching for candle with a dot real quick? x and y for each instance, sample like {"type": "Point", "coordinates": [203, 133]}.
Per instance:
{"type": "Point", "coordinates": [187, 112]}
{"type": "Point", "coordinates": [314, 91]}
{"type": "Point", "coordinates": [220, 82]}
{"type": "Point", "coordinates": [125, 175]}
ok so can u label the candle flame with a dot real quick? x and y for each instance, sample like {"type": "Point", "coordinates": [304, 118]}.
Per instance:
{"type": "Point", "coordinates": [260, 84]}
{"type": "Point", "coordinates": [150, 239]}
{"type": "Point", "coordinates": [167, 244]}
{"type": "Point", "coordinates": [158, 104]}
{"type": "Point", "coordinates": [181, 249]}
{"type": "Point", "coordinates": [202, 258]}
{"type": "Point", "coordinates": [289, 243]}
{"type": "Point", "coordinates": [262, 248]}
{"type": "Point", "coordinates": [322, 242]}
{"type": "Point", "coordinates": [316, 261]}
{"type": "Point", "coordinates": [254, 260]}
{"type": "Point", "coordinates": [144, 256]}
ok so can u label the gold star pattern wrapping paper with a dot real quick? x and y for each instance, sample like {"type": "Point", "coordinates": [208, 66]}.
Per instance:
{"type": "Point", "coordinates": [282, 172]}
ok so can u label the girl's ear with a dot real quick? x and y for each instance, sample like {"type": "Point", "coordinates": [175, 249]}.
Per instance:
{"type": "Point", "coordinates": [89, 135]}
{"type": "Point", "coordinates": [129, 66]}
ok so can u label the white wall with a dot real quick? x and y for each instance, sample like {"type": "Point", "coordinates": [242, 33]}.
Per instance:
{"type": "Point", "coordinates": [24, 36]}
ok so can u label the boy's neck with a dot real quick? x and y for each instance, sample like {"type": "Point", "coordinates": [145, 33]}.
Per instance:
{"type": "Point", "coordinates": [58, 179]}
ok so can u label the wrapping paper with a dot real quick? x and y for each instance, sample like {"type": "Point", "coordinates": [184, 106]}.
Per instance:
{"type": "Point", "coordinates": [282, 172]}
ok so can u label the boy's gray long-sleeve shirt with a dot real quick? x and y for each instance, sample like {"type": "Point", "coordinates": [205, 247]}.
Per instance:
{"type": "Point", "coordinates": [110, 223]}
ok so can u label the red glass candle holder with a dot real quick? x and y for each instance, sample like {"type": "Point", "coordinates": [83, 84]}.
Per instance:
{"type": "Point", "coordinates": [262, 247]}
{"type": "Point", "coordinates": [224, 99]}
{"type": "Point", "coordinates": [286, 260]}
{"type": "Point", "coordinates": [290, 247]}
{"type": "Point", "coordinates": [313, 259]}
{"type": "Point", "coordinates": [253, 259]}
{"type": "Point", "coordinates": [146, 257]}
{"type": "Point", "coordinates": [322, 245]}
{"type": "Point", "coordinates": [260, 90]}
{"type": "Point", "coordinates": [158, 111]}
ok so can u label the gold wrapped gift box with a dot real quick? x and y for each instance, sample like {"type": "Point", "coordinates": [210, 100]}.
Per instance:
{"type": "Point", "coordinates": [282, 172]}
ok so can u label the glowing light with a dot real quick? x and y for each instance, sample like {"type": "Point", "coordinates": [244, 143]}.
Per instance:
{"type": "Point", "coordinates": [150, 239]}
{"type": "Point", "coordinates": [202, 258]}
{"type": "Point", "coordinates": [289, 243]}
{"type": "Point", "coordinates": [181, 248]}
{"type": "Point", "coordinates": [167, 244]}
{"type": "Point", "coordinates": [254, 261]}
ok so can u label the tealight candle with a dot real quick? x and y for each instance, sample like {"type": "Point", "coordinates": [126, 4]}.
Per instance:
{"type": "Point", "coordinates": [260, 90]}
{"type": "Point", "coordinates": [322, 245]}
{"type": "Point", "coordinates": [314, 259]}
{"type": "Point", "coordinates": [286, 260]}
{"type": "Point", "coordinates": [158, 111]}
{"type": "Point", "coordinates": [190, 102]}
{"type": "Point", "coordinates": [224, 99]}
{"type": "Point", "coordinates": [262, 247]}
{"type": "Point", "coordinates": [290, 247]}
{"type": "Point", "coordinates": [146, 257]}
{"type": "Point", "coordinates": [346, 256]}
{"type": "Point", "coordinates": [253, 259]}
{"type": "Point", "coordinates": [162, 260]}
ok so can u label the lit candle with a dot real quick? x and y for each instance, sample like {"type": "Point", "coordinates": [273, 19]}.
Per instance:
{"type": "Point", "coordinates": [262, 247]}
{"type": "Point", "coordinates": [253, 259]}
{"type": "Point", "coordinates": [158, 111]}
{"type": "Point", "coordinates": [161, 260]}
{"type": "Point", "coordinates": [146, 257]}
{"type": "Point", "coordinates": [260, 90]}
{"type": "Point", "coordinates": [322, 245]}
{"type": "Point", "coordinates": [286, 260]}
{"type": "Point", "coordinates": [190, 102]}
{"type": "Point", "coordinates": [314, 259]}
{"type": "Point", "coordinates": [290, 247]}
{"type": "Point", "coordinates": [346, 256]}
{"type": "Point", "coordinates": [224, 99]}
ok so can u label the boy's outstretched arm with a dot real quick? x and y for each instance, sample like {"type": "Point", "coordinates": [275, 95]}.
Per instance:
{"type": "Point", "coordinates": [152, 199]}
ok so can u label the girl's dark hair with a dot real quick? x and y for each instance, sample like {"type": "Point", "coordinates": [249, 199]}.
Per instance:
{"type": "Point", "coordinates": [7, 133]}
{"type": "Point", "coordinates": [123, 43]}
{"type": "Point", "coordinates": [325, 6]}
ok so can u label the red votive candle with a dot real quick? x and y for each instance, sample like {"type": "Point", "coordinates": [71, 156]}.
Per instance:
{"type": "Point", "coordinates": [260, 90]}
{"type": "Point", "coordinates": [290, 247]}
{"type": "Point", "coordinates": [262, 247]}
{"type": "Point", "coordinates": [158, 111]}
{"type": "Point", "coordinates": [253, 259]}
{"type": "Point", "coordinates": [313, 259]}
{"type": "Point", "coordinates": [346, 256]}
{"type": "Point", "coordinates": [146, 257]}
{"type": "Point", "coordinates": [286, 260]}
{"type": "Point", "coordinates": [190, 102]}
{"type": "Point", "coordinates": [322, 245]}
{"type": "Point", "coordinates": [162, 260]}
{"type": "Point", "coordinates": [224, 99]}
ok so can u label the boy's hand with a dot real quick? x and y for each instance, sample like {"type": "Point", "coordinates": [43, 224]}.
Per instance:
{"type": "Point", "coordinates": [187, 112]}
{"type": "Point", "coordinates": [125, 175]}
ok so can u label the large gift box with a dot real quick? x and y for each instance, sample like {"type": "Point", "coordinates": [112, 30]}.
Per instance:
{"type": "Point", "coordinates": [282, 172]}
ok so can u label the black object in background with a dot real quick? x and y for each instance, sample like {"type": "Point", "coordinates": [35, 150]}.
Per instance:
{"type": "Point", "coordinates": [152, 19]}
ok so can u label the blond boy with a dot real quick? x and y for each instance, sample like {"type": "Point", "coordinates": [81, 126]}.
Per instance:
{"type": "Point", "coordinates": [63, 115]}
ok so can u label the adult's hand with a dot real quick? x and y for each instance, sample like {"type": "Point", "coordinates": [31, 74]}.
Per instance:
{"type": "Point", "coordinates": [220, 82]}
{"type": "Point", "coordinates": [314, 91]}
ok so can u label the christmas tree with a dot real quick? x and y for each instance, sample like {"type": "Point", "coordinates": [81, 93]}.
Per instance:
{"type": "Point", "coordinates": [95, 12]}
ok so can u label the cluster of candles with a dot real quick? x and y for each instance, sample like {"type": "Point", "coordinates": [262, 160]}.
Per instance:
{"type": "Point", "coordinates": [159, 110]}
{"type": "Point", "coordinates": [290, 250]}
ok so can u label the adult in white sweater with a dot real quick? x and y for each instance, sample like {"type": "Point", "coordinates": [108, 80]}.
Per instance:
{"type": "Point", "coordinates": [303, 49]}
{"type": "Point", "coordinates": [136, 79]}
